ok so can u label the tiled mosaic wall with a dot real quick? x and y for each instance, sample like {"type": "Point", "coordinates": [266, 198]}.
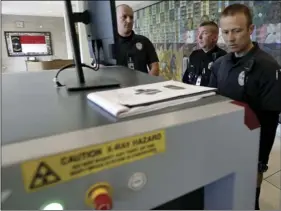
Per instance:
{"type": "Point", "coordinates": [172, 27]}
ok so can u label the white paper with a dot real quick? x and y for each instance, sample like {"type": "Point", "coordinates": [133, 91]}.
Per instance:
{"type": "Point", "coordinates": [129, 101]}
{"type": "Point", "coordinates": [128, 96]}
{"type": "Point", "coordinates": [108, 101]}
{"type": "Point", "coordinates": [158, 106]}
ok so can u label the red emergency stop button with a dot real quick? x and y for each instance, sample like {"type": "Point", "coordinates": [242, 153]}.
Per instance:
{"type": "Point", "coordinates": [99, 197]}
{"type": "Point", "coordinates": [103, 202]}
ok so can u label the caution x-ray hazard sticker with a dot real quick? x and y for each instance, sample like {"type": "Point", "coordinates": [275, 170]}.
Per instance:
{"type": "Point", "coordinates": [53, 170]}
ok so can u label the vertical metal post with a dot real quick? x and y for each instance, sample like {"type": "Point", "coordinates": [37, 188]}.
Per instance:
{"type": "Point", "coordinates": [75, 45]}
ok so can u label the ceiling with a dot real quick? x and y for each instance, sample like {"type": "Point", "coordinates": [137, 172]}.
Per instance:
{"type": "Point", "coordinates": [33, 8]}
{"type": "Point", "coordinates": [52, 8]}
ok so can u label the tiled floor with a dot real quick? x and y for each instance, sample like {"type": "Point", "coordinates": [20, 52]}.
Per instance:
{"type": "Point", "coordinates": [271, 194]}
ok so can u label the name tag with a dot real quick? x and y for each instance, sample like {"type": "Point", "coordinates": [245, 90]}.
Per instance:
{"type": "Point", "coordinates": [198, 81]}
{"type": "Point", "coordinates": [131, 63]}
{"type": "Point", "coordinates": [131, 66]}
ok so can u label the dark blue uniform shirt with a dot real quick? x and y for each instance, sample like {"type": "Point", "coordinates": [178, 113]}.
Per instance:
{"type": "Point", "coordinates": [256, 80]}
{"type": "Point", "coordinates": [136, 52]}
{"type": "Point", "coordinates": [200, 64]}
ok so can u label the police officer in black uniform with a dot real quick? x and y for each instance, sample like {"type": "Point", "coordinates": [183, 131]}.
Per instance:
{"type": "Point", "coordinates": [249, 75]}
{"type": "Point", "coordinates": [135, 51]}
{"type": "Point", "coordinates": [200, 61]}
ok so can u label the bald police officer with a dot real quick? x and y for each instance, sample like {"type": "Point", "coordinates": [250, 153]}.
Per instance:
{"type": "Point", "coordinates": [250, 75]}
{"type": "Point", "coordinates": [200, 61]}
{"type": "Point", "coordinates": [135, 51]}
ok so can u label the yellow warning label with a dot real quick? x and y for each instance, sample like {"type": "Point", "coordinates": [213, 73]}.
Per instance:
{"type": "Point", "coordinates": [52, 170]}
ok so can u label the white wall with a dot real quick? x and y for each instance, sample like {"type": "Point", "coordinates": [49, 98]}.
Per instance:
{"type": "Point", "coordinates": [55, 25]}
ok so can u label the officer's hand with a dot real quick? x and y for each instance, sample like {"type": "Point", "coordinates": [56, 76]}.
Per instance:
{"type": "Point", "coordinates": [154, 73]}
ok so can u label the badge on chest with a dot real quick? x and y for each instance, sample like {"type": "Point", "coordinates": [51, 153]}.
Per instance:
{"type": "Point", "coordinates": [199, 78]}
{"type": "Point", "coordinates": [139, 46]}
{"type": "Point", "coordinates": [241, 78]}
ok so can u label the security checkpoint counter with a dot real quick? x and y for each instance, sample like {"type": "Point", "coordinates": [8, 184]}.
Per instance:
{"type": "Point", "coordinates": [60, 150]}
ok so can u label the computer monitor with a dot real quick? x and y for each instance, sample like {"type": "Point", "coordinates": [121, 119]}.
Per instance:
{"type": "Point", "coordinates": [99, 18]}
{"type": "Point", "coordinates": [102, 30]}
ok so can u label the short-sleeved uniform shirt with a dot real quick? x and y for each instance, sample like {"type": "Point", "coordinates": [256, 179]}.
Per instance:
{"type": "Point", "coordinates": [136, 49]}
{"type": "Point", "coordinates": [198, 71]}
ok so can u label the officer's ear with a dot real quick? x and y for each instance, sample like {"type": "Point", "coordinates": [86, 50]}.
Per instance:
{"type": "Point", "coordinates": [215, 37]}
{"type": "Point", "coordinates": [215, 33]}
{"type": "Point", "coordinates": [251, 28]}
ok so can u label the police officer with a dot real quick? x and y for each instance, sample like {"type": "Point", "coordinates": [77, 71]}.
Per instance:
{"type": "Point", "coordinates": [250, 75]}
{"type": "Point", "coordinates": [135, 51]}
{"type": "Point", "coordinates": [200, 61]}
